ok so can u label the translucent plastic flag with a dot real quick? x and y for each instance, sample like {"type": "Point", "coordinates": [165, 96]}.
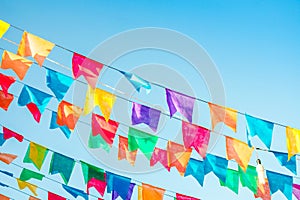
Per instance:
{"type": "Point", "coordinates": [17, 63]}
{"type": "Point", "coordinates": [195, 136]}
{"type": "Point", "coordinates": [149, 192]}
{"type": "Point", "coordinates": [7, 158]}
{"type": "Point", "coordinates": [7, 134]}
{"type": "Point", "coordinates": [52, 196]}
{"type": "Point", "coordinates": [140, 140]}
{"type": "Point", "coordinates": [68, 114]}
{"type": "Point", "coordinates": [35, 100]}
{"type": "Point", "coordinates": [222, 114]}
{"type": "Point", "coordinates": [280, 182]}
{"type": "Point", "coordinates": [5, 100]}
{"type": "Point", "coordinates": [249, 178]}
{"type": "Point", "coordinates": [97, 141]}
{"type": "Point", "coordinates": [181, 103]}
{"type": "Point", "coordinates": [27, 174]}
{"type": "Point", "coordinates": [35, 154]}
{"type": "Point", "coordinates": [232, 180]}
{"type": "Point", "coordinates": [195, 168]}
{"type": "Point", "coordinates": [146, 115]}
{"type": "Point", "coordinates": [292, 141]}
{"type": "Point", "coordinates": [3, 28]}
{"type": "Point", "coordinates": [75, 192]}
{"type": "Point", "coordinates": [23, 184]}
{"type": "Point", "coordinates": [97, 184]}
{"type": "Point", "coordinates": [296, 191]}
{"type": "Point", "coordinates": [283, 160]}
{"type": "Point", "coordinates": [53, 125]}
{"type": "Point", "coordinates": [88, 68]}
{"type": "Point", "coordinates": [263, 191]}
{"type": "Point", "coordinates": [115, 194]}
{"type": "Point", "coordinates": [6, 82]}
{"type": "Point", "coordinates": [124, 152]}
{"type": "Point", "coordinates": [217, 165]}
{"type": "Point", "coordinates": [160, 155]}
{"type": "Point", "coordinates": [35, 47]}
{"type": "Point", "coordinates": [58, 83]}
{"type": "Point", "coordinates": [117, 183]}
{"type": "Point", "coordinates": [184, 197]}
{"type": "Point", "coordinates": [137, 82]}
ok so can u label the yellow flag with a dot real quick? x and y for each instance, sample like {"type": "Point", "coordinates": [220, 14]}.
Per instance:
{"type": "Point", "coordinates": [31, 187]}
{"type": "Point", "coordinates": [292, 141]}
{"type": "Point", "coordinates": [3, 27]}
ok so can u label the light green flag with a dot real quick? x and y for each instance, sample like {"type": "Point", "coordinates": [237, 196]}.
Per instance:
{"type": "Point", "coordinates": [232, 180]}
{"type": "Point", "coordinates": [27, 174]}
{"type": "Point", "coordinates": [249, 178]}
{"type": "Point", "coordinates": [98, 142]}
{"type": "Point", "coordinates": [35, 154]}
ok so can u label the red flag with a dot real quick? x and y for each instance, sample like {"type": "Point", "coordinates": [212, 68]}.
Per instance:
{"type": "Point", "coordinates": [184, 197]}
{"type": "Point", "coordinates": [9, 134]}
{"type": "Point", "coordinates": [160, 155]}
{"type": "Point", "coordinates": [5, 100]}
{"type": "Point", "coordinates": [6, 82]}
{"type": "Point", "coordinates": [52, 196]}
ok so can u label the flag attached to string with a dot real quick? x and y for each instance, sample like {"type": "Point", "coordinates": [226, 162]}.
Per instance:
{"type": "Point", "coordinates": [149, 192]}
{"type": "Point", "coordinates": [88, 68]}
{"type": "Point", "coordinates": [75, 192]}
{"type": "Point", "coordinates": [4, 26]}
{"type": "Point", "coordinates": [137, 82]}
{"type": "Point", "coordinates": [283, 160]}
{"type": "Point", "coordinates": [115, 194]}
{"type": "Point", "coordinates": [263, 191]}
{"type": "Point", "coordinates": [23, 184]}
{"type": "Point", "coordinates": [33, 198]}
{"type": "Point", "coordinates": [97, 141]}
{"type": "Point", "coordinates": [195, 136]}
{"type": "Point", "coordinates": [6, 82]}
{"type": "Point", "coordinates": [35, 100]}
{"type": "Point", "coordinates": [34, 46]}
{"type": "Point", "coordinates": [195, 168]}
{"type": "Point", "coordinates": [3, 197]}
{"type": "Point", "coordinates": [52, 196]}
{"type": "Point", "coordinates": [17, 63]}
{"type": "Point", "coordinates": [292, 141]}
{"type": "Point", "coordinates": [53, 125]}
{"type": "Point", "coordinates": [58, 83]}
{"type": "Point", "coordinates": [296, 191]}
{"type": "Point", "coordinates": [35, 154]}
{"type": "Point", "coordinates": [7, 158]}
{"type": "Point", "coordinates": [27, 174]}
{"type": "Point", "coordinates": [249, 178]}
{"type": "Point", "coordinates": [7, 134]}
{"type": "Point", "coordinates": [160, 155]}
{"type": "Point", "coordinates": [5, 100]}
{"type": "Point", "coordinates": [68, 114]}
{"type": "Point", "coordinates": [217, 165]}
{"type": "Point", "coordinates": [232, 180]}
{"type": "Point", "coordinates": [2, 140]}
{"type": "Point", "coordinates": [280, 182]}
{"type": "Point", "coordinates": [124, 153]}
{"type": "Point", "coordinates": [119, 184]}
{"type": "Point", "coordinates": [184, 197]}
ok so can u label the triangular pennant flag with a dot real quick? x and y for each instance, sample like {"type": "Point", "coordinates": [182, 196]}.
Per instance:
{"type": "Point", "coordinates": [195, 136]}
{"type": "Point", "coordinates": [35, 100]}
{"type": "Point", "coordinates": [53, 125]}
{"type": "Point", "coordinates": [184, 197]}
{"type": "Point", "coordinates": [283, 160]}
{"type": "Point", "coordinates": [68, 114]}
{"type": "Point", "coordinates": [280, 182]}
{"type": "Point", "coordinates": [115, 194]}
{"type": "Point", "coordinates": [149, 192]}
{"type": "Point", "coordinates": [160, 155]}
{"type": "Point", "coordinates": [35, 154]}
{"type": "Point", "coordinates": [24, 184]}
{"type": "Point", "coordinates": [2, 197]}
{"type": "Point", "coordinates": [120, 184]}
{"type": "Point", "coordinates": [17, 63]}
{"type": "Point", "coordinates": [140, 140]}
{"type": "Point", "coordinates": [181, 103]}
{"type": "Point", "coordinates": [101, 98]}
{"type": "Point", "coordinates": [2, 140]}
{"type": "Point", "coordinates": [7, 158]}
{"type": "Point", "coordinates": [263, 191]}
{"type": "Point", "coordinates": [124, 152]}
{"type": "Point", "coordinates": [75, 192]}
{"type": "Point", "coordinates": [146, 115]}
{"type": "Point", "coordinates": [88, 68]}
{"type": "Point", "coordinates": [5, 100]}
{"type": "Point", "coordinates": [35, 47]}
{"type": "Point", "coordinates": [292, 141]}
{"type": "Point", "coordinates": [178, 156]}
{"type": "Point", "coordinates": [6, 82]}
{"type": "Point", "coordinates": [4, 26]}
{"type": "Point", "coordinates": [239, 151]}
{"type": "Point", "coordinates": [62, 165]}
{"type": "Point", "coordinates": [222, 114]}
{"type": "Point", "coordinates": [137, 82]}
{"type": "Point", "coordinates": [58, 83]}
{"type": "Point", "coordinates": [52, 196]}
{"type": "Point", "coordinates": [263, 129]}
{"type": "Point", "coordinates": [7, 134]}
{"type": "Point", "coordinates": [296, 191]}
{"type": "Point", "coordinates": [27, 174]}
{"type": "Point", "coordinates": [232, 180]}
{"type": "Point", "coordinates": [249, 178]}
{"type": "Point", "coordinates": [97, 141]}
{"type": "Point", "coordinates": [196, 169]}
{"type": "Point", "coordinates": [217, 165]}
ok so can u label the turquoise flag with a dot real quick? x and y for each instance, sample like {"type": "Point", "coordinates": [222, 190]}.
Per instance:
{"type": "Point", "coordinates": [283, 160]}
{"type": "Point", "coordinates": [217, 165]}
{"type": "Point", "coordinates": [280, 182]}
{"type": "Point", "coordinates": [97, 141]}
{"type": "Point", "coordinates": [2, 140]}
{"type": "Point", "coordinates": [27, 174]}
{"type": "Point", "coordinates": [137, 82]}
{"type": "Point", "coordinates": [196, 169]}
{"type": "Point", "coordinates": [232, 180]}
{"type": "Point", "coordinates": [249, 178]}
{"type": "Point", "coordinates": [53, 125]}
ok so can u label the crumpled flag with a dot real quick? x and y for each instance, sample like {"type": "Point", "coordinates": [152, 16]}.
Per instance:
{"type": "Point", "coordinates": [120, 184]}
{"type": "Point", "coordinates": [88, 68]}
{"type": "Point", "coordinates": [7, 134]}
{"type": "Point", "coordinates": [249, 178]}
{"type": "Point", "coordinates": [24, 184]}
{"type": "Point", "coordinates": [27, 174]}
{"type": "Point", "coordinates": [75, 192]}
{"type": "Point", "coordinates": [5, 100]}
{"type": "Point", "coordinates": [222, 114]}
{"type": "Point", "coordinates": [34, 46]}
{"type": "Point", "coordinates": [140, 140]}
{"type": "Point", "coordinates": [58, 83]}
{"type": "Point", "coordinates": [53, 125]}
{"type": "Point", "coordinates": [178, 156]}
{"type": "Point", "coordinates": [292, 141]}
{"type": "Point", "coordinates": [7, 158]}
{"type": "Point", "coordinates": [62, 165]}
{"type": "Point", "coordinates": [52, 196]}
{"type": "Point", "coordinates": [4, 26]}
{"type": "Point", "coordinates": [124, 153]}
{"type": "Point", "coordinates": [180, 102]}
{"type": "Point", "coordinates": [290, 164]}
{"type": "Point", "coordinates": [239, 151]}
{"type": "Point", "coordinates": [184, 197]}
{"type": "Point", "coordinates": [2, 197]}
{"type": "Point", "coordinates": [17, 63]}
{"type": "Point", "coordinates": [262, 128]}
{"type": "Point", "coordinates": [68, 114]}
{"type": "Point", "coordinates": [232, 180]}
{"type": "Point", "coordinates": [35, 154]}
{"type": "Point", "coordinates": [263, 191]}
{"type": "Point", "coordinates": [195, 136]}
{"type": "Point", "coordinates": [149, 192]}
{"type": "Point", "coordinates": [296, 191]}
{"type": "Point", "coordinates": [196, 169]}
{"type": "Point", "coordinates": [115, 194]}
{"type": "Point", "coordinates": [217, 165]}
{"type": "Point", "coordinates": [280, 182]}
{"type": "Point", "coordinates": [160, 155]}
{"type": "Point", "coordinates": [137, 82]}
{"type": "Point", "coordinates": [35, 100]}
{"type": "Point", "coordinates": [6, 82]}
{"type": "Point", "coordinates": [144, 114]}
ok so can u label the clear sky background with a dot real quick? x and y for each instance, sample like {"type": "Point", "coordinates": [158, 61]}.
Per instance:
{"type": "Point", "coordinates": [254, 44]}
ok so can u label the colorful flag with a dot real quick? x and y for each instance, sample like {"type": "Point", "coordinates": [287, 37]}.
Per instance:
{"type": "Point", "coordinates": [35, 100]}
{"type": "Point", "coordinates": [52, 196]}
{"type": "Point", "coordinates": [7, 158]}
{"type": "Point", "coordinates": [263, 129]}
{"type": "Point", "coordinates": [2, 197]}
{"type": "Point", "coordinates": [68, 114]}
{"type": "Point", "coordinates": [24, 184]}
{"type": "Point", "coordinates": [296, 191]}
{"type": "Point", "coordinates": [62, 165]}
{"type": "Point", "coordinates": [140, 140]}
{"type": "Point", "coordinates": [217, 165]}
{"type": "Point", "coordinates": [33, 198]}
{"type": "Point", "coordinates": [27, 174]}
{"type": "Point", "coordinates": [146, 115]}
{"type": "Point", "coordinates": [115, 194]}
{"type": "Point", "coordinates": [88, 68]}
{"type": "Point", "coordinates": [17, 63]}
{"type": "Point", "coordinates": [97, 184]}
{"type": "Point", "coordinates": [280, 182]}
{"type": "Point", "coordinates": [137, 82]}
{"type": "Point", "coordinates": [3, 28]}
{"type": "Point", "coordinates": [7, 134]}
{"type": "Point", "coordinates": [2, 140]}
{"type": "Point", "coordinates": [58, 83]}
{"type": "Point", "coordinates": [292, 141]}
{"type": "Point", "coordinates": [35, 154]}
{"type": "Point", "coordinates": [75, 192]}
{"type": "Point", "coordinates": [53, 125]}
{"type": "Point", "coordinates": [184, 197]}
{"type": "Point", "coordinates": [149, 192]}
{"type": "Point", "coordinates": [222, 114]}
{"type": "Point", "coordinates": [196, 169]}
{"type": "Point", "coordinates": [181, 103]}
{"type": "Point", "coordinates": [249, 178]}
{"type": "Point", "coordinates": [35, 47]}
{"type": "Point", "coordinates": [97, 141]}
{"type": "Point", "coordinates": [290, 164]}
{"type": "Point", "coordinates": [232, 180]}
{"type": "Point", "coordinates": [124, 152]}
{"type": "Point", "coordinates": [195, 136]}
{"type": "Point", "coordinates": [117, 183]}
{"type": "Point", "coordinates": [6, 82]}
{"type": "Point", "coordinates": [263, 191]}
{"type": "Point", "coordinates": [178, 156]}
{"type": "Point", "coordinates": [160, 155]}
{"type": "Point", "coordinates": [5, 100]}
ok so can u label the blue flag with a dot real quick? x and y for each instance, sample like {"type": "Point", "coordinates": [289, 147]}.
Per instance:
{"type": "Point", "coordinates": [75, 192]}
{"type": "Point", "coordinates": [117, 183]}
{"type": "Point", "coordinates": [137, 81]}
{"type": "Point", "coordinates": [2, 140]}
{"type": "Point", "coordinates": [283, 160]}
{"type": "Point", "coordinates": [280, 182]}
{"type": "Point", "coordinates": [217, 165]}
{"type": "Point", "coordinates": [196, 169]}
{"type": "Point", "coordinates": [54, 125]}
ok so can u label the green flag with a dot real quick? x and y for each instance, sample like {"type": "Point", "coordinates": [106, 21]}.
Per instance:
{"type": "Point", "coordinates": [35, 154]}
{"type": "Point", "coordinates": [98, 142]}
{"type": "Point", "coordinates": [249, 178]}
{"type": "Point", "coordinates": [232, 180]}
{"type": "Point", "coordinates": [90, 171]}
{"type": "Point", "coordinates": [27, 174]}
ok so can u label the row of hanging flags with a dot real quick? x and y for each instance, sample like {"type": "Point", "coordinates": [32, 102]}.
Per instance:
{"type": "Point", "coordinates": [104, 129]}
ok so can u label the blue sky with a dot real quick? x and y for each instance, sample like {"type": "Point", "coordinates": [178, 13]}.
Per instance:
{"type": "Point", "coordinates": [254, 45]}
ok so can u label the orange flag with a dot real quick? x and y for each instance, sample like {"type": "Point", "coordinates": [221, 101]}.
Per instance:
{"type": "Point", "coordinates": [238, 151]}
{"type": "Point", "coordinates": [7, 158]}
{"type": "Point", "coordinates": [3, 27]}
{"type": "Point", "coordinates": [124, 152]}
{"type": "Point", "coordinates": [5, 100]}
{"type": "Point", "coordinates": [33, 198]}
{"type": "Point", "coordinates": [292, 141]}
{"type": "Point", "coordinates": [263, 191]}
{"type": "Point", "coordinates": [149, 192]}
{"type": "Point", "coordinates": [2, 197]}
{"type": "Point", "coordinates": [17, 63]}
{"type": "Point", "coordinates": [222, 114]}
{"type": "Point", "coordinates": [68, 114]}
{"type": "Point", "coordinates": [24, 184]}
{"type": "Point", "coordinates": [34, 46]}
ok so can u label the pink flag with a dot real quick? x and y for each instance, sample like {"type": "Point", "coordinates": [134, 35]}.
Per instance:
{"type": "Point", "coordinates": [9, 134]}
{"type": "Point", "coordinates": [97, 184]}
{"type": "Point", "coordinates": [160, 155]}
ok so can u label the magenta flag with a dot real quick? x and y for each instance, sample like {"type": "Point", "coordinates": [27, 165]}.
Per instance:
{"type": "Point", "coordinates": [296, 190]}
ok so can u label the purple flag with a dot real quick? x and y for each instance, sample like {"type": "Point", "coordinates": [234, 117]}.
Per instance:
{"type": "Point", "coordinates": [115, 194]}
{"type": "Point", "coordinates": [146, 115]}
{"type": "Point", "coordinates": [296, 190]}
{"type": "Point", "coordinates": [180, 102]}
